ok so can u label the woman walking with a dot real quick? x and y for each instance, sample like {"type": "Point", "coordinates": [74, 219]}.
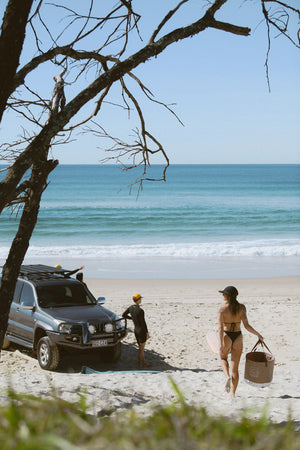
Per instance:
{"type": "Point", "coordinates": [230, 317]}
{"type": "Point", "coordinates": [137, 315]}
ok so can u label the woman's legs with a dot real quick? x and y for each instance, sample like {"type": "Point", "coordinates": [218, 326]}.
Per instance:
{"type": "Point", "coordinates": [225, 365]}
{"type": "Point", "coordinates": [224, 361]}
{"type": "Point", "coordinates": [236, 351]}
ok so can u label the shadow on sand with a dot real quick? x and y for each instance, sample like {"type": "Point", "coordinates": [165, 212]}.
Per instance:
{"type": "Point", "coordinates": [127, 362]}
{"type": "Point", "coordinates": [73, 363]}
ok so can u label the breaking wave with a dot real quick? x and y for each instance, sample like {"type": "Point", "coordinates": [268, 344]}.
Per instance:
{"type": "Point", "coordinates": [257, 248]}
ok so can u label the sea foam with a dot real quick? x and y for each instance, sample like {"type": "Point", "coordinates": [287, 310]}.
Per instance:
{"type": "Point", "coordinates": [256, 248]}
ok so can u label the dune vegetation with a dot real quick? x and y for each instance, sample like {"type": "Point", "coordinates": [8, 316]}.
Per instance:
{"type": "Point", "coordinates": [27, 422]}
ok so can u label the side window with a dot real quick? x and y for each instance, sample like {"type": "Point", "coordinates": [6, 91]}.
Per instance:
{"type": "Point", "coordinates": [17, 292]}
{"type": "Point", "coordinates": [27, 295]}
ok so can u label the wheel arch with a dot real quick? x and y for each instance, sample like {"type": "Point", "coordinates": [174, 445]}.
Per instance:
{"type": "Point", "coordinates": [38, 334]}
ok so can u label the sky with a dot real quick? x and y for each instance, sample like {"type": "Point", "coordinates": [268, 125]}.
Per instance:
{"type": "Point", "coordinates": [218, 84]}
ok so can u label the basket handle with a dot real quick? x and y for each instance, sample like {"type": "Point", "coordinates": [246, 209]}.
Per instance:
{"type": "Point", "coordinates": [263, 344]}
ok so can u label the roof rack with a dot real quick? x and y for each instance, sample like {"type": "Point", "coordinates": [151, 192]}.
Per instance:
{"type": "Point", "coordinates": [41, 271]}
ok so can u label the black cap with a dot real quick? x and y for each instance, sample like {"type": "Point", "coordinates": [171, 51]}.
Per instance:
{"type": "Point", "coordinates": [231, 291]}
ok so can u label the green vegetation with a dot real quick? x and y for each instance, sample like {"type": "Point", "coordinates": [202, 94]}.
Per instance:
{"type": "Point", "coordinates": [29, 423]}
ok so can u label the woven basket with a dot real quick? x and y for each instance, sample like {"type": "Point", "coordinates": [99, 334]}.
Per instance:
{"type": "Point", "coordinates": [259, 366]}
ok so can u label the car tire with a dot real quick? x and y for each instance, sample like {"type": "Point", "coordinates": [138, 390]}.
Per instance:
{"type": "Point", "coordinates": [47, 354]}
{"type": "Point", "coordinates": [111, 354]}
{"type": "Point", "coordinates": [6, 344]}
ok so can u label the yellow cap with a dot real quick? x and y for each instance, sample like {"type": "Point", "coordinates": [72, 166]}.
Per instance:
{"type": "Point", "coordinates": [136, 297]}
{"type": "Point", "coordinates": [58, 266]}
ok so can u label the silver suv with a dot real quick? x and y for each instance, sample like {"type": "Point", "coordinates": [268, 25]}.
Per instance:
{"type": "Point", "coordinates": [52, 312]}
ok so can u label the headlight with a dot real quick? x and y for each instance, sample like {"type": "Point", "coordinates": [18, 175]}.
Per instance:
{"type": "Point", "coordinates": [118, 325]}
{"type": "Point", "coordinates": [92, 329]}
{"type": "Point", "coordinates": [65, 328]}
{"type": "Point", "coordinates": [108, 327]}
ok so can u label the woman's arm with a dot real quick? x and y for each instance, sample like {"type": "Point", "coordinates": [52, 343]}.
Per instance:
{"type": "Point", "coordinates": [247, 324]}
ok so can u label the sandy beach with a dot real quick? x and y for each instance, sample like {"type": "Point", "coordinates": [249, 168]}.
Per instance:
{"type": "Point", "coordinates": [179, 314]}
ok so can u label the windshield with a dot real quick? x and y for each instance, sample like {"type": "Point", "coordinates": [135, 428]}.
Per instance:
{"type": "Point", "coordinates": [61, 296]}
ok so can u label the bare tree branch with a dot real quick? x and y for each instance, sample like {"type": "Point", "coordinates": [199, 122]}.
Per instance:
{"type": "Point", "coordinates": [279, 20]}
{"type": "Point", "coordinates": [132, 155]}
{"type": "Point", "coordinates": [165, 20]}
{"type": "Point", "coordinates": [57, 123]}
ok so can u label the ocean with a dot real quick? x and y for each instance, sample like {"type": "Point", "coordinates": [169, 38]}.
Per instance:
{"type": "Point", "coordinates": [205, 221]}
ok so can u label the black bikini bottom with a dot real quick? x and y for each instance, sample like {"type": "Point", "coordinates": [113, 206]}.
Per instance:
{"type": "Point", "coordinates": [233, 334]}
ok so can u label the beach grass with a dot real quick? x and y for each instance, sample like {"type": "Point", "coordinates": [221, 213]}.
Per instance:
{"type": "Point", "coordinates": [27, 422]}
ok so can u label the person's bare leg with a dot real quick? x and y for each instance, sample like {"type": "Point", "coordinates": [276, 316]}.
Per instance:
{"type": "Point", "coordinates": [141, 359]}
{"type": "Point", "coordinates": [236, 352]}
{"type": "Point", "coordinates": [224, 362]}
{"type": "Point", "coordinates": [225, 366]}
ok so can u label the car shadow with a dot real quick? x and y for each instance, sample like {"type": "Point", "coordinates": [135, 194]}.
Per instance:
{"type": "Point", "coordinates": [75, 363]}
{"type": "Point", "coordinates": [128, 361]}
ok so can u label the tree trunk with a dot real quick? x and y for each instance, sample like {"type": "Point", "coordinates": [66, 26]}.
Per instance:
{"type": "Point", "coordinates": [11, 43]}
{"type": "Point", "coordinates": [10, 272]}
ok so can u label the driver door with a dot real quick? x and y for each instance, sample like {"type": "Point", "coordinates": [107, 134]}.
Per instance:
{"type": "Point", "coordinates": [23, 315]}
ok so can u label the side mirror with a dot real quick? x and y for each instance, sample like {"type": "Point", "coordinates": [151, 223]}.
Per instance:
{"type": "Point", "coordinates": [101, 300]}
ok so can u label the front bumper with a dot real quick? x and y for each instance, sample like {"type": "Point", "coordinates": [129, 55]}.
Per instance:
{"type": "Point", "coordinates": [81, 342]}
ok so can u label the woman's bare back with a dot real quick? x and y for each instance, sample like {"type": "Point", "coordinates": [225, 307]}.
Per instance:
{"type": "Point", "coordinates": [232, 322]}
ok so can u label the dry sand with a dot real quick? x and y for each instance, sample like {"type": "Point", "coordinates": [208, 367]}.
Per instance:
{"type": "Point", "coordinates": [179, 313]}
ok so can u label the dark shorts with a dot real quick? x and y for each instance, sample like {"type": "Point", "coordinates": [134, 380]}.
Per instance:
{"type": "Point", "coordinates": [141, 337]}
